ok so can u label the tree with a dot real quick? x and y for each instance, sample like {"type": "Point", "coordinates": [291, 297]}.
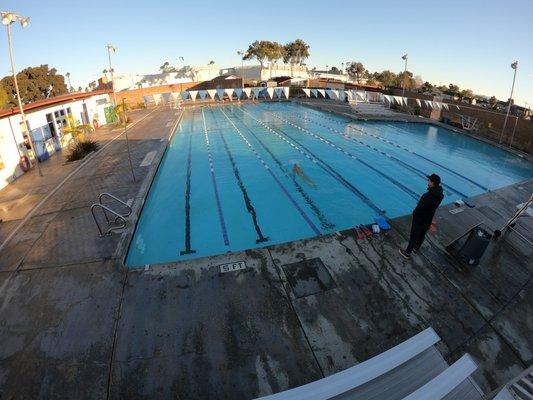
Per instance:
{"type": "Point", "coordinates": [4, 98]}
{"type": "Point", "coordinates": [77, 130]}
{"type": "Point", "coordinates": [405, 79]}
{"type": "Point", "coordinates": [453, 90]}
{"type": "Point", "coordinates": [295, 52]}
{"type": "Point", "coordinates": [211, 62]}
{"type": "Point", "coordinates": [370, 81]}
{"type": "Point", "coordinates": [493, 101]}
{"type": "Point", "coordinates": [355, 70]}
{"type": "Point", "coordinates": [35, 83]}
{"type": "Point", "coordinates": [166, 68]}
{"type": "Point", "coordinates": [387, 78]}
{"type": "Point", "coordinates": [465, 94]}
{"type": "Point", "coordinates": [259, 51]}
{"type": "Point", "coordinates": [264, 51]}
{"type": "Point", "coordinates": [426, 87]}
{"type": "Point", "coordinates": [335, 70]}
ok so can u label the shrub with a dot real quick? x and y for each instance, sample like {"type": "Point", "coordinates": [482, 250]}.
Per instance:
{"type": "Point", "coordinates": [80, 149]}
{"type": "Point", "coordinates": [77, 130]}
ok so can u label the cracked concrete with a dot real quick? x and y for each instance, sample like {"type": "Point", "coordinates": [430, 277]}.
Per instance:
{"type": "Point", "coordinates": [74, 323]}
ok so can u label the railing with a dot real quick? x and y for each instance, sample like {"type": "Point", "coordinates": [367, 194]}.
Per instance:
{"type": "Point", "coordinates": [119, 220]}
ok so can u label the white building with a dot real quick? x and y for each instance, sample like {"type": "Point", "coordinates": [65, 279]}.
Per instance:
{"type": "Point", "coordinates": [46, 119]}
{"type": "Point", "coordinates": [185, 74]}
{"type": "Point", "coordinates": [329, 75]}
{"type": "Point", "coordinates": [257, 73]}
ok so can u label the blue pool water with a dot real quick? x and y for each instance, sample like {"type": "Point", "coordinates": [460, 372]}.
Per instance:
{"type": "Point", "coordinates": [226, 181]}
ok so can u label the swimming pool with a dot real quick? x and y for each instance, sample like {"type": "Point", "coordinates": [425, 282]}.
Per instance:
{"type": "Point", "coordinates": [227, 181]}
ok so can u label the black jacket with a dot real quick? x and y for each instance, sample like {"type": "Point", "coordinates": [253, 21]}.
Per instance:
{"type": "Point", "coordinates": [427, 205]}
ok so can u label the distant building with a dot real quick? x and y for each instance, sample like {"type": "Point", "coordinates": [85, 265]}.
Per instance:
{"type": "Point", "coordinates": [254, 74]}
{"type": "Point", "coordinates": [227, 81]}
{"type": "Point", "coordinates": [318, 74]}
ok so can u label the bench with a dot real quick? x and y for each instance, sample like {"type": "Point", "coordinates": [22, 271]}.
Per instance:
{"type": "Point", "coordinates": [412, 370]}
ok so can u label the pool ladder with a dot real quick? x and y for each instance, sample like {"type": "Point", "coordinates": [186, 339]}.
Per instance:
{"type": "Point", "coordinates": [119, 221]}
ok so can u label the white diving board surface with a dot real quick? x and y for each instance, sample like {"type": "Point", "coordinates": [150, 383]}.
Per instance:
{"type": "Point", "coordinates": [397, 373]}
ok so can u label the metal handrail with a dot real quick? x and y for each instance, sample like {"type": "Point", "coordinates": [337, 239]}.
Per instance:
{"type": "Point", "coordinates": [126, 205]}
{"type": "Point", "coordinates": [118, 217]}
{"type": "Point", "coordinates": [106, 209]}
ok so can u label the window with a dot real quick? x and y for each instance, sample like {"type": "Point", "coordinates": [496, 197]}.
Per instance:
{"type": "Point", "coordinates": [50, 122]}
{"type": "Point", "coordinates": [69, 111]}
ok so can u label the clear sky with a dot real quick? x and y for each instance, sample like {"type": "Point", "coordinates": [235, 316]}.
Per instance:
{"type": "Point", "coordinates": [470, 42]}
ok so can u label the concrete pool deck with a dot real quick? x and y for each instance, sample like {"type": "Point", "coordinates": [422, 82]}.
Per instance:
{"type": "Point", "coordinates": [74, 323]}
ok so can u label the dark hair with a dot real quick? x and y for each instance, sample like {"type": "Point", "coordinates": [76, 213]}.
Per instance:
{"type": "Point", "coordinates": [434, 178]}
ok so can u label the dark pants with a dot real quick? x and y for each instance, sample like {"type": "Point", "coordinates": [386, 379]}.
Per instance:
{"type": "Point", "coordinates": [418, 233]}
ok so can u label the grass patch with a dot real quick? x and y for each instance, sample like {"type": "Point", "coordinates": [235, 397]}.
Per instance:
{"type": "Point", "coordinates": [80, 149]}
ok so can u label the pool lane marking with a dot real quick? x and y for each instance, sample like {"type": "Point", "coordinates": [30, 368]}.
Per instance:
{"type": "Point", "coordinates": [406, 149]}
{"type": "Point", "coordinates": [406, 165]}
{"type": "Point", "coordinates": [291, 199]}
{"type": "Point", "coordinates": [323, 219]}
{"type": "Point", "coordinates": [215, 187]}
{"type": "Point", "coordinates": [440, 165]}
{"type": "Point", "coordinates": [352, 156]}
{"type": "Point", "coordinates": [188, 249]}
{"type": "Point", "coordinates": [326, 167]}
{"type": "Point", "coordinates": [247, 201]}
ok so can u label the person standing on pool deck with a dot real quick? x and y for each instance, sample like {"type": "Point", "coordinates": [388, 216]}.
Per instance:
{"type": "Point", "coordinates": [423, 215]}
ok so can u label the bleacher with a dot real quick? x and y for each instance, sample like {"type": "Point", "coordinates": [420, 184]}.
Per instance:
{"type": "Point", "coordinates": [412, 370]}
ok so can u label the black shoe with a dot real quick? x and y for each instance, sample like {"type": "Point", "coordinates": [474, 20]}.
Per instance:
{"type": "Point", "coordinates": [405, 254]}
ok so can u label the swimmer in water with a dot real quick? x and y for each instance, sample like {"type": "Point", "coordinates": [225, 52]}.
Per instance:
{"type": "Point", "coordinates": [298, 170]}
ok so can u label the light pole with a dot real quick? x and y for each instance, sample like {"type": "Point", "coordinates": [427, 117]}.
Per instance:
{"type": "Point", "coordinates": [404, 57]}
{"type": "Point", "coordinates": [515, 67]}
{"type": "Point", "coordinates": [110, 49]}
{"type": "Point", "coordinates": [69, 84]}
{"type": "Point", "coordinates": [7, 19]}
{"type": "Point", "coordinates": [241, 53]}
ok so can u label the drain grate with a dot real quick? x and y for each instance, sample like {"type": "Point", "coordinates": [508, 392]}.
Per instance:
{"type": "Point", "coordinates": [308, 277]}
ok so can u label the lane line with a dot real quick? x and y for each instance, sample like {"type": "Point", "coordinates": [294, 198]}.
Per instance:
{"type": "Point", "coordinates": [326, 167]}
{"type": "Point", "coordinates": [354, 157]}
{"type": "Point", "coordinates": [404, 148]}
{"type": "Point", "coordinates": [406, 165]}
{"type": "Point", "coordinates": [188, 249]}
{"type": "Point", "coordinates": [285, 191]}
{"type": "Point", "coordinates": [215, 187]}
{"type": "Point", "coordinates": [322, 218]}
{"type": "Point", "coordinates": [249, 206]}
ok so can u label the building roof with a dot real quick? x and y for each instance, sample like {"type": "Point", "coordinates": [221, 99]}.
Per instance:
{"type": "Point", "coordinates": [52, 101]}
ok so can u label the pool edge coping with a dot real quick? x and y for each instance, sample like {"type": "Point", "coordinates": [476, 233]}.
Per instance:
{"type": "Point", "coordinates": [126, 238]}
